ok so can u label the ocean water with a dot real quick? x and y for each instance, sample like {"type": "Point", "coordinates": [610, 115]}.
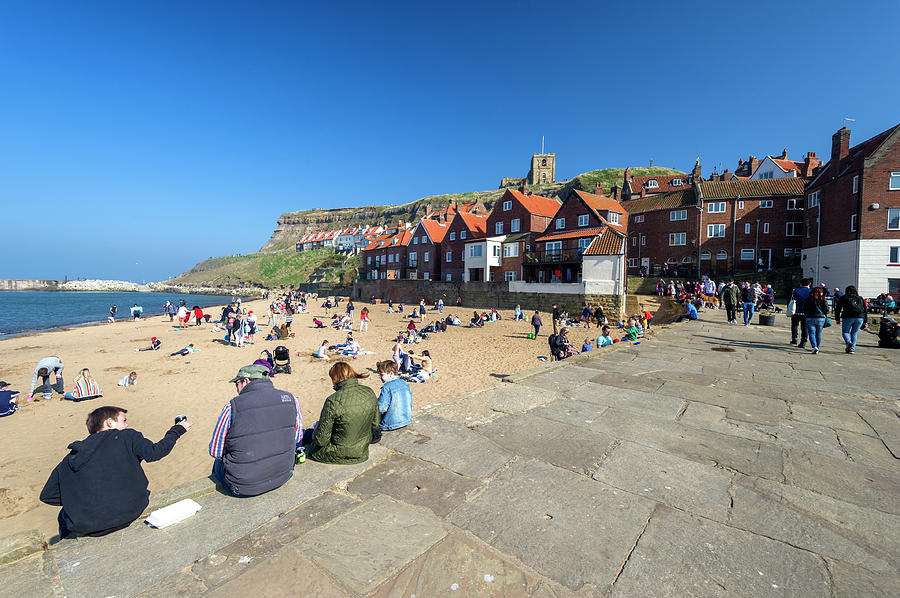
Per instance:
{"type": "Point", "coordinates": [31, 310]}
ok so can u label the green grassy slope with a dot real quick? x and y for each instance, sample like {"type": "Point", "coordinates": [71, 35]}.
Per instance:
{"type": "Point", "coordinates": [271, 269]}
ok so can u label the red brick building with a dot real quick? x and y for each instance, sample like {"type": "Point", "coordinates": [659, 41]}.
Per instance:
{"type": "Point", "coordinates": [386, 256]}
{"type": "Point", "coordinates": [517, 218]}
{"type": "Point", "coordinates": [424, 250]}
{"type": "Point", "coordinates": [852, 223]}
{"type": "Point", "coordinates": [464, 227]}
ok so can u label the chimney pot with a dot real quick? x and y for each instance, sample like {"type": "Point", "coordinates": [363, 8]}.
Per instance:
{"type": "Point", "coordinates": [840, 146]}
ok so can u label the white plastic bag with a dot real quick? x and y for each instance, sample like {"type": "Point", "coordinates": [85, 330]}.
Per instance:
{"type": "Point", "coordinates": [172, 514]}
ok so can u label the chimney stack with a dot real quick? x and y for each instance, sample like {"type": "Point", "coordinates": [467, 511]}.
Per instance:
{"type": "Point", "coordinates": [643, 191]}
{"type": "Point", "coordinates": [598, 188]}
{"type": "Point", "coordinates": [695, 173]}
{"type": "Point", "coordinates": [810, 164]}
{"type": "Point", "coordinates": [726, 176]}
{"type": "Point", "coordinates": [614, 192]}
{"type": "Point", "coordinates": [784, 154]}
{"type": "Point", "coordinates": [840, 146]}
{"type": "Point", "coordinates": [754, 164]}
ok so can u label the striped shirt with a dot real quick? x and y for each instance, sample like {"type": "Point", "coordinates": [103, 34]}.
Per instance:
{"type": "Point", "coordinates": [217, 444]}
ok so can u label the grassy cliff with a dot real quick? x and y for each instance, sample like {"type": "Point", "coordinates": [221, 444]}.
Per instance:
{"type": "Point", "coordinates": [272, 269]}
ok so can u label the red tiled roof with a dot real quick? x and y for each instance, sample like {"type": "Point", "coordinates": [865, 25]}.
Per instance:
{"type": "Point", "coordinates": [475, 223]}
{"type": "Point", "coordinates": [788, 165]}
{"type": "Point", "coordinates": [573, 234]}
{"type": "Point", "coordinates": [610, 242]}
{"type": "Point", "coordinates": [436, 230]}
{"type": "Point", "coordinates": [663, 201]}
{"type": "Point", "coordinates": [789, 186]}
{"type": "Point", "coordinates": [601, 203]}
{"type": "Point", "coordinates": [536, 204]}
{"type": "Point", "coordinates": [664, 182]}
{"type": "Point", "coordinates": [854, 159]}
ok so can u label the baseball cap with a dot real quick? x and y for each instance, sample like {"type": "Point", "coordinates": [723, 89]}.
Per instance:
{"type": "Point", "coordinates": [4, 384]}
{"type": "Point", "coordinates": [253, 372]}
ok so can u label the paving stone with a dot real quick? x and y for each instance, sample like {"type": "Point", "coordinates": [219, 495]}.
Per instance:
{"type": "Point", "coordinates": [31, 577]}
{"type": "Point", "coordinates": [182, 583]}
{"type": "Point", "coordinates": [469, 408]}
{"type": "Point", "coordinates": [746, 456]}
{"type": "Point", "coordinates": [684, 484]}
{"type": "Point", "coordinates": [855, 582]}
{"type": "Point", "coordinates": [817, 523]}
{"type": "Point", "coordinates": [857, 483]}
{"type": "Point", "coordinates": [449, 445]}
{"type": "Point", "coordinates": [353, 549]}
{"type": "Point", "coordinates": [518, 398]}
{"type": "Point", "coordinates": [20, 545]}
{"type": "Point", "coordinates": [628, 399]}
{"type": "Point", "coordinates": [460, 566]}
{"type": "Point", "coordinates": [838, 419]}
{"type": "Point", "coordinates": [867, 450]}
{"type": "Point", "coordinates": [683, 555]}
{"type": "Point", "coordinates": [532, 506]}
{"type": "Point", "coordinates": [415, 482]}
{"type": "Point", "coordinates": [574, 449]}
{"type": "Point", "coordinates": [646, 382]}
{"type": "Point", "coordinates": [713, 418]}
{"type": "Point", "coordinates": [887, 425]}
{"type": "Point", "coordinates": [294, 524]}
{"type": "Point", "coordinates": [289, 573]}
{"type": "Point", "coordinates": [739, 405]}
{"type": "Point", "coordinates": [562, 379]}
{"type": "Point", "coordinates": [645, 364]}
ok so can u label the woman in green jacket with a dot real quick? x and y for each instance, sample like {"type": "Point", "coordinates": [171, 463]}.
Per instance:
{"type": "Point", "coordinates": [348, 416]}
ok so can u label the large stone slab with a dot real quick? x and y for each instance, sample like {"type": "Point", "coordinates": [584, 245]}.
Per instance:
{"type": "Point", "coordinates": [628, 399]}
{"type": "Point", "coordinates": [714, 418]}
{"type": "Point", "coordinates": [887, 425]}
{"type": "Point", "coordinates": [860, 484]}
{"type": "Point", "coordinates": [837, 419]}
{"type": "Point", "coordinates": [683, 555]}
{"type": "Point", "coordinates": [854, 582]}
{"type": "Point", "coordinates": [684, 484]}
{"type": "Point", "coordinates": [354, 547]}
{"type": "Point", "coordinates": [532, 506]}
{"type": "Point", "coordinates": [34, 576]}
{"type": "Point", "coordinates": [740, 406]}
{"type": "Point", "coordinates": [867, 450]}
{"type": "Point", "coordinates": [572, 448]}
{"type": "Point", "coordinates": [747, 456]}
{"type": "Point", "coordinates": [561, 379]}
{"type": "Point", "coordinates": [448, 444]}
{"type": "Point", "coordinates": [461, 566]}
{"type": "Point", "coordinates": [817, 523]}
{"type": "Point", "coordinates": [416, 482]}
{"type": "Point", "coordinates": [20, 545]}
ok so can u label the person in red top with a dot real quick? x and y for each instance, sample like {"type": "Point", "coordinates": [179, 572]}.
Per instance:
{"type": "Point", "coordinates": [198, 314]}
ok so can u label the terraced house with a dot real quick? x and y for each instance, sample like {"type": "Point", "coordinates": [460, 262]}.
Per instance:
{"type": "Point", "coordinates": [464, 227]}
{"type": "Point", "coordinates": [424, 251]}
{"type": "Point", "coordinates": [386, 256]}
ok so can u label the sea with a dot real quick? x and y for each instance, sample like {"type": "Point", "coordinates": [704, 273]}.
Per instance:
{"type": "Point", "coordinates": [22, 312]}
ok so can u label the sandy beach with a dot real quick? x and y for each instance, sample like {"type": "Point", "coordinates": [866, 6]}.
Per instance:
{"type": "Point", "coordinates": [34, 440]}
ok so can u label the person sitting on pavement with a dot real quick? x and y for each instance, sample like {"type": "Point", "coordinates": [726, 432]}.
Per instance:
{"type": "Point", "coordinates": [349, 415]}
{"type": "Point", "coordinates": [45, 367]}
{"type": "Point", "coordinates": [690, 313]}
{"type": "Point", "coordinates": [255, 438]}
{"type": "Point", "coordinates": [101, 485]}
{"type": "Point", "coordinates": [86, 388]}
{"type": "Point", "coordinates": [8, 400]}
{"type": "Point", "coordinates": [395, 400]}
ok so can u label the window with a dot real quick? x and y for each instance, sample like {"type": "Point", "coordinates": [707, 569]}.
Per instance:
{"type": "Point", "coordinates": [766, 175]}
{"type": "Point", "coordinates": [509, 276]}
{"type": "Point", "coordinates": [426, 256]}
{"type": "Point", "coordinates": [425, 275]}
{"type": "Point", "coordinates": [671, 260]}
{"type": "Point", "coordinates": [765, 228]}
{"type": "Point", "coordinates": [383, 275]}
{"type": "Point", "coordinates": [452, 236]}
{"type": "Point", "coordinates": [795, 204]}
{"type": "Point", "coordinates": [740, 205]}
{"type": "Point", "coordinates": [543, 177]}
{"type": "Point", "coordinates": [449, 257]}
{"type": "Point", "coordinates": [553, 246]}
{"type": "Point", "coordinates": [746, 254]}
{"type": "Point", "coordinates": [895, 255]}
{"type": "Point", "coordinates": [397, 257]}
{"type": "Point", "coordinates": [677, 238]}
{"type": "Point", "coordinates": [632, 262]}
{"type": "Point", "coordinates": [852, 223]}
{"type": "Point", "coordinates": [584, 243]}
{"type": "Point", "coordinates": [687, 260]}
{"type": "Point", "coordinates": [614, 217]}
{"type": "Point", "coordinates": [766, 203]}
{"type": "Point", "coordinates": [370, 260]}
{"type": "Point", "coordinates": [894, 219]}
{"type": "Point", "coordinates": [705, 255]}
{"type": "Point", "coordinates": [894, 184]}
{"type": "Point", "coordinates": [638, 219]}
{"type": "Point", "coordinates": [721, 254]}
{"type": "Point", "coordinates": [394, 242]}
{"type": "Point", "coordinates": [582, 220]}
{"type": "Point", "coordinates": [498, 228]}
{"type": "Point", "coordinates": [715, 230]}
{"type": "Point", "coordinates": [652, 184]}
{"type": "Point", "coordinates": [677, 215]}
{"type": "Point", "coordinates": [808, 229]}
{"type": "Point", "coordinates": [390, 258]}
{"type": "Point", "coordinates": [788, 252]}
{"type": "Point", "coordinates": [746, 228]}
{"type": "Point", "coordinates": [793, 229]}
{"type": "Point", "coordinates": [717, 207]}
{"type": "Point", "coordinates": [507, 206]}
{"type": "Point", "coordinates": [510, 250]}
{"type": "Point", "coordinates": [634, 241]}
{"type": "Point", "coordinates": [449, 277]}
{"type": "Point", "coordinates": [813, 200]}
{"type": "Point", "coordinates": [475, 250]}
{"type": "Point", "coordinates": [462, 234]}
{"type": "Point", "coordinates": [543, 161]}
{"type": "Point", "coordinates": [560, 223]}
{"type": "Point", "coordinates": [424, 239]}
{"type": "Point", "coordinates": [514, 225]}
{"type": "Point", "coordinates": [854, 186]}
{"type": "Point", "coordinates": [415, 240]}
{"type": "Point", "coordinates": [643, 239]}
{"type": "Point", "coordinates": [413, 259]}
{"type": "Point", "coordinates": [677, 183]}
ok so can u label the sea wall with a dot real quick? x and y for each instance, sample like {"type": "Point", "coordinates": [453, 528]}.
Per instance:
{"type": "Point", "coordinates": [17, 284]}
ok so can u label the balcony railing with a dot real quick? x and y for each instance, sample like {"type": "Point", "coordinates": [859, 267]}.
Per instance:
{"type": "Point", "coordinates": [553, 257]}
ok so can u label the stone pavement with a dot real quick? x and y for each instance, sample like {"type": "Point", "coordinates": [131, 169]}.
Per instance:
{"type": "Point", "coordinates": [709, 460]}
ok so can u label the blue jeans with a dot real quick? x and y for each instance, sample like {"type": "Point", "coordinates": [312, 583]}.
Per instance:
{"type": "Point", "coordinates": [218, 471]}
{"type": "Point", "coordinates": [46, 387]}
{"type": "Point", "coordinates": [850, 329]}
{"type": "Point", "coordinates": [748, 312]}
{"type": "Point", "coordinates": [814, 331]}
{"type": "Point", "coordinates": [63, 526]}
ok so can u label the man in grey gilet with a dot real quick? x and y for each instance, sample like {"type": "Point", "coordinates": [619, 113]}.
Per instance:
{"type": "Point", "coordinates": [254, 442]}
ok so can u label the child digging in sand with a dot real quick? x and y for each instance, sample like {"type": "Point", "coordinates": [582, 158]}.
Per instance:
{"type": "Point", "coordinates": [129, 380]}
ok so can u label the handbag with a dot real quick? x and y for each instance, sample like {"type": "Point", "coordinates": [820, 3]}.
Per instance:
{"type": "Point", "coordinates": [827, 322]}
{"type": "Point", "coordinates": [791, 307]}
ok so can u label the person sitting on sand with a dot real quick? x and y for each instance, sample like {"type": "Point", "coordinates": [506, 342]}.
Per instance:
{"type": "Point", "coordinates": [631, 331]}
{"type": "Point", "coordinates": [411, 326]}
{"type": "Point", "coordinates": [426, 362]}
{"type": "Point", "coordinates": [604, 340]}
{"type": "Point", "coordinates": [395, 399]}
{"type": "Point", "coordinates": [186, 351]}
{"type": "Point", "coordinates": [101, 485]}
{"type": "Point", "coordinates": [129, 380]}
{"type": "Point", "coordinates": [476, 320]}
{"type": "Point", "coordinates": [322, 352]}
{"type": "Point", "coordinates": [154, 345]}
{"type": "Point", "coordinates": [317, 323]}
{"type": "Point", "coordinates": [349, 415]}
{"type": "Point", "coordinates": [86, 388]}
{"type": "Point", "coordinates": [8, 400]}
{"type": "Point", "coordinates": [587, 345]}
{"type": "Point", "coordinates": [44, 368]}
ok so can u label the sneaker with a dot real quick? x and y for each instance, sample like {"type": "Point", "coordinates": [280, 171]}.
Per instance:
{"type": "Point", "coordinates": [814, 350]}
{"type": "Point", "coordinates": [851, 351]}
{"type": "Point", "coordinates": [801, 346]}
{"type": "Point", "coordinates": [847, 348]}
{"type": "Point", "coordinates": [794, 341]}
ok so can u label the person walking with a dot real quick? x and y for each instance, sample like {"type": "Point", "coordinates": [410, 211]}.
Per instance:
{"type": "Point", "coordinates": [536, 322]}
{"type": "Point", "coordinates": [816, 310]}
{"type": "Point", "coordinates": [112, 314]}
{"type": "Point", "coordinates": [748, 298]}
{"type": "Point", "coordinates": [798, 318]}
{"type": "Point", "coordinates": [731, 296]}
{"type": "Point", "coordinates": [364, 319]}
{"type": "Point", "coordinates": [556, 316]}
{"type": "Point", "coordinates": [850, 312]}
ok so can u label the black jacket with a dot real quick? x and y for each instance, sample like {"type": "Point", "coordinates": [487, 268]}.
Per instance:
{"type": "Point", "coordinates": [100, 484]}
{"type": "Point", "coordinates": [850, 306]}
{"type": "Point", "coordinates": [815, 308]}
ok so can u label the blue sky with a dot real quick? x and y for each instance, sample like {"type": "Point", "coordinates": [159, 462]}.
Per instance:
{"type": "Point", "coordinates": [139, 138]}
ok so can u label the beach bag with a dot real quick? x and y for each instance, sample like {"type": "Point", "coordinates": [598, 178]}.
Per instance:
{"type": "Point", "coordinates": [827, 323]}
{"type": "Point", "coordinates": [791, 307]}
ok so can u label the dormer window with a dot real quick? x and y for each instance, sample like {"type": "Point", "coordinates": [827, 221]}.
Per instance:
{"type": "Point", "coordinates": [677, 182]}
{"type": "Point", "coordinates": [394, 242]}
{"type": "Point", "coordinates": [652, 184]}
{"type": "Point", "coordinates": [613, 217]}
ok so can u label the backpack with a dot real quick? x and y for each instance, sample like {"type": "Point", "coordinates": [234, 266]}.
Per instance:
{"type": "Point", "coordinates": [857, 303]}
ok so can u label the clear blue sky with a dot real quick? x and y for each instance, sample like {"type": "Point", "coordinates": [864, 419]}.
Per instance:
{"type": "Point", "coordinates": [139, 138]}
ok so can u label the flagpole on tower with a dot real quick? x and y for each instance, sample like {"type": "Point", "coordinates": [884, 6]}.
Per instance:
{"type": "Point", "coordinates": [542, 144]}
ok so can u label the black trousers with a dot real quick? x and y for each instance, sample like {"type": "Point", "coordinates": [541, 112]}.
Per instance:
{"type": "Point", "coordinates": [801, 322]}
{"type": "Point", "coordinates": [730, 312]}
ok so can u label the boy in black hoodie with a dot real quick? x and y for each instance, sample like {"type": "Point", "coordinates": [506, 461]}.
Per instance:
{"type": "Point", "coordinates": [100, 485]}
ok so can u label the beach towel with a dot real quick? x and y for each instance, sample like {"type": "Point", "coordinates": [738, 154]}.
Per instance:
{"type": "Point", "coordinates": [86, 388]}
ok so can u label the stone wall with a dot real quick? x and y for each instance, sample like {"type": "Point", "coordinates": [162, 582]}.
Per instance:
{"type": "Point", "coordinates": [13, 284]}
{"type": "Point", "coordinates": [479, 294]}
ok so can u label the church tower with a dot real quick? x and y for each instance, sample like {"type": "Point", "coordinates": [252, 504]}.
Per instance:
{"type": "Point", "coordinates": [543, 169]}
